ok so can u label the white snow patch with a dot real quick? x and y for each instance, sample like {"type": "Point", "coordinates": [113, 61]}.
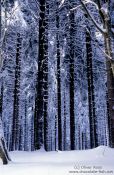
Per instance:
{"type": "Point", "coordinates": [98, 35]}
{"type": "Point", "coordinates": [18, 15]}
{"type": "Point", "coordinates": [104, 8]}
{"type": "Point", "coordinates": [60, 162]}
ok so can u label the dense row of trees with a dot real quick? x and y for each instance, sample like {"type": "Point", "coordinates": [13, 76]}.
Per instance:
{"type": "Point", "coordinates": [56, 83]}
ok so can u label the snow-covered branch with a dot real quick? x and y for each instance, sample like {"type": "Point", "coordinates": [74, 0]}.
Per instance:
{"type": "Point", "coordinates": [102, 30]}
{"type": "Point", "coordinates": [62, 2]}
{"type": "Point", "coordinates": [86, 2]}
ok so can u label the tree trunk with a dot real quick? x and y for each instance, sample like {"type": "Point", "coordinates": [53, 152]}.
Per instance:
{"type": "Point", "coordinates": [71, 55]}
{"type": "Point", "coordinates": [106, 19]}
{"type": "Point", "coordinates": [91, 98]}
{"type": "Point", "coordinates": [15, 123]}
{"type": "Point", "coordinates": [65, 134]}
{"type": "Point", "coordinates": [0, 38]}
{"type": "Point", "coordinates": [110, 79]}
{"type": "Point", "coordinates": [40, 118]}
{"type": "Point", "coordinates": [58, 83]}
{"type": "Point", "coordinates": [45, 81]}
{"type": "Point", "coordinates": [3, 156]}
{"type": "Point", "coordinates": [3, 150]}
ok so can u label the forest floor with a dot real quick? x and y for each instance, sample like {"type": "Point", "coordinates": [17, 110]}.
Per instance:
{"type": "Point", "coordinates": [98, 161]}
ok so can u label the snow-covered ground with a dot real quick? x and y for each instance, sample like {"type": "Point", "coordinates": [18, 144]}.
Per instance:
{"type": "Point", "coordinates": [99, 161]}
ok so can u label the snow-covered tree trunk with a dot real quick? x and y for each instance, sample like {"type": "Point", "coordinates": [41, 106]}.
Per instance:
{"type": "Point", "coordinates": [108, 34]}
{"type": "Point", "coordinates": [45, 80]}
{"type": "Point", "coordinates": [42, 78]}
{"type": "Point", "coordinates": [2, 143]}
{"type": "Point", "coordinates": [0, 38]}
{"type": "Point", "coordinates": [110, 76]}
{"type": "Point", "coordinates": [38, 117]}
{"type": "Point", "coordinates": [3, 150]}
{"type": "Point", "coordinates": [15, 123]}
{"type": "Point", "coordinates": [58, 82]}
{"type": "Point", "coordinates": [2, 153]}
{"type": "Point", "coordinates": [91, 97]}
{"type": "Point", "coordinates": [71, 67]}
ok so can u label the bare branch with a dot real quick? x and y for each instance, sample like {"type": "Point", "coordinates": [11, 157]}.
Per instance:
{"type": "Point", "coordinates": [96, 43]}
{"type": "Point", "coordinates": [99, 8]}
{"type": "Point", "coordinates": [103, 31]}
{"type": "Point", "coordinates": [106, 55]}
{"type": "Point", "coordinates": [86, 2]}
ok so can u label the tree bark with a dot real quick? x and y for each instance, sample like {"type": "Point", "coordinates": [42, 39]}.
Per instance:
{"type": "Point", "coordinates": [3, 156]}
{"type": "Point", "coordinates": [58, 82]}
{"type": "Point", "coordinates": [15, 122]}
{"type": "Point", "coordinates": [91, 98]}
{"type": "Point", "coordinates": [110, 79]}
{"type": "Point", "coordinates": [41, 101]}
{"type": "Point", "coordinates": [107, 33]}
{"type": "Point", "coordinates": [3, 150]}
{"type": "Point", "coordinates": [71, 55]}
{"type": "Point", "coordinates": [45, 80]}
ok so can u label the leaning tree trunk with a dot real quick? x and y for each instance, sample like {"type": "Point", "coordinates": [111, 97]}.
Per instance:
{"type": "Point", "coordinates": [2, 154]}
{"type": "Point", "coordinates": [106, 21]}
{"type": "Point", "coordinates": [3, 150]}
{"type": "Point", "coordinates": [108, 37]}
